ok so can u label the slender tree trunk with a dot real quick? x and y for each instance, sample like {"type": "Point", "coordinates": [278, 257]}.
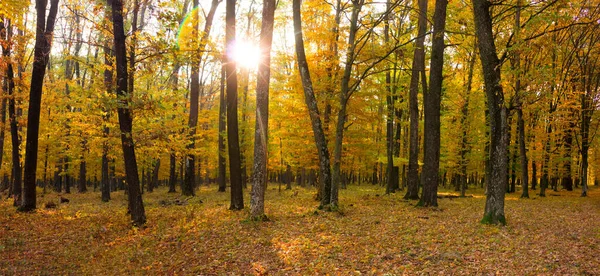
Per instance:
{"type": "Point", "coordinates": [9, 89]}
{"type": "Point", "coordinates": [418, 65]}
{"type": "Point", "coordinates": [172, 172]}
{"type": "Point", "coordinates": [190, 163]}
{"type": "Point", "coordinates": [534, 179]}
{"type": "Point", "coordinates": [261, 138]}
{"type": "Point", "coordinates": [344, 97]}
{"type": "Point", "coordinates": [108, 84]}
{"type": "Point", "coordinates": [190, 160]}
{"type": "Point", "coordinates": [136, 205]}
{"type": "Point", "coordinates": [497, 180]}
{"type": "Point", "coordinates": [82, 187]}
{"type": "Point", "coordinates": [43, 43]}
{"type": "Point", "coordinates": [520, 120]}
{"type": "Point", "coordinates": [233, 139]}
{"type": "Point", "coordinates": [313, 109]}
{"type": "Point", "coordinates": [153, 183]}
{"type": "Point", "coordinates": [431, 158]}
{"type": "Point", "coordinates": [546, 162]}
{"type": "Point", "coordinates": [464, 146]}
{"type": "Point", "coordinates": [222, 151]}
{"type": "Point", "coordinates": [390, 115]}
{"type": "Point", "coordinates": [3, 118]}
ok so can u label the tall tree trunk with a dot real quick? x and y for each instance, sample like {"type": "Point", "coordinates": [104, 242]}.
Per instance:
{"type": "Point", "coordinates": [520, 120]}
{"type": "Point", "coordinates": [222, 151]}
{"type": "Point", "coordinates": [497, 180]}
{"type": "Point", "coordinates": [43, 43]}
{"type": "Point", "coordinates": [190, 160]}
{"type": "Point", "coordinates": [233, 139]}
{"type": "Point", "coordinates": [9, 89]}
{"type": "Point", "coordinates": [261, 138]}
{"type": "Point", "coordinates": [390, 115]}
{"type": "Point", "coordinates": [188, 187]}
{"type": "Point", "coordinates": [136, 205]}
{"type": "Point", "coordinates": [108, 84]}
{"type": "Point", "coordinates": [546, 160]}
{"type": "Point", "coordinates": [313, 109]}
{"type": "Point", "coordinates": [431, 158]}
{"type": "Point", "coordinates": [344, 97]}
{"type": "Point", "coordinates": [464, 146]}
{"type": "Point", "coordinates": [567, 178]}
{"type": "Point", "coordinates": [175, 87]}
{"type": "Point", "coordinates": [418, 65]}
{"type": "Point", "coordinates": [3, 106]}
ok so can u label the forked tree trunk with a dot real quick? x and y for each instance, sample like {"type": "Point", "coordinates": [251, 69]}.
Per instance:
{"type": "Point", "coordinates": [313, 109]}
{"type": "Point", "coordinates": [136, 205]}
{"type": "Point", "coordinates": [344, 98]}
{"type": "Point", "coordinates": [190, 163]}
{"type": "Point", "coordinates": [431, 157]}
{"type": "Point", "coordinates": [418, 65]}
{"type": "Point", "coordinates": [43, 43]}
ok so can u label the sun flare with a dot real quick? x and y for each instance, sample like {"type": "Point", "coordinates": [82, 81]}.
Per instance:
{"type": "Point", "coordinates": [246, 54]}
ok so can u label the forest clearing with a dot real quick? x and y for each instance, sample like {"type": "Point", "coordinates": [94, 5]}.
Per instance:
{"type": "Point", "coordinates": [373, 234]}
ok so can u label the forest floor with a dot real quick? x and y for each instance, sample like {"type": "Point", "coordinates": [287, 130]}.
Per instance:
{"type": "Point", "coordinates": [373, 234]}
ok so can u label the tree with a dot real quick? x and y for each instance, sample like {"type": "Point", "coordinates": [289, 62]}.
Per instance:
{"type": "Point", "coordinates": [222, 173]}
{"type": "Point", "coordinates": [418, 65]}
{"type": "Point", "coordinates": [313, 109]}
{"type": "Point", "coordinates": [188, 187]}
{"type": "Point", "coordinates": [108, 86]}
{"type": "Point", "coordinates": [431, 158]}
{"type": "Point", "coordinates": [136, 205]}
{"type": "Point", "coordinates": [9, 89]}
{"type": "Point", "coordinates": [261, 140]}
{"type": "Point", "coordinates": [43, 44]}
{"type": "Point", "coordinates": [496, 175]}
{"type": "Point", "coordinates": [519, 107]}
{"type": "Point", "coordinates": [233, 140]}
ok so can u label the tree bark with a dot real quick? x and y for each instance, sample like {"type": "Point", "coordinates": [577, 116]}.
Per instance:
{"type": "Point", "coordinates": [313, 109]}
{"type": "Point", "coordinates": [9, 89]}
{"type": "Point", "coordinates": [6, 54]}
{"type": "Point", "coordinates": [344, 97]}
{"type": "Point", "coordinates": [497, 178]}
{"type": "Point", "coordinates": [108, 84]}
{"type": "Point", "coordinates": [261, 138]}
{"type": "Point", "coordinates": [233, 139]}
{"type": "Point", "coordinates": [136, 205]}
{"type": "Point", "coordinates": [391, 180]}
{"type": "Point", "coordinates": [43, 43]}
{"type": "Point", "coordinates": [464, 146]}
{"type": "Point", "coordinates": [418, 65]}
{"type": "Point", "coordinates": [431, 158]}
{"type": "Point", "coordinates": [222, 151]}
{"type": "Point", "coordinates": [190, 164]}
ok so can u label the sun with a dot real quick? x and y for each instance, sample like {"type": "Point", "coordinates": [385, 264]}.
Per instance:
{"type": "Point", "coordinates": [246, 54]}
